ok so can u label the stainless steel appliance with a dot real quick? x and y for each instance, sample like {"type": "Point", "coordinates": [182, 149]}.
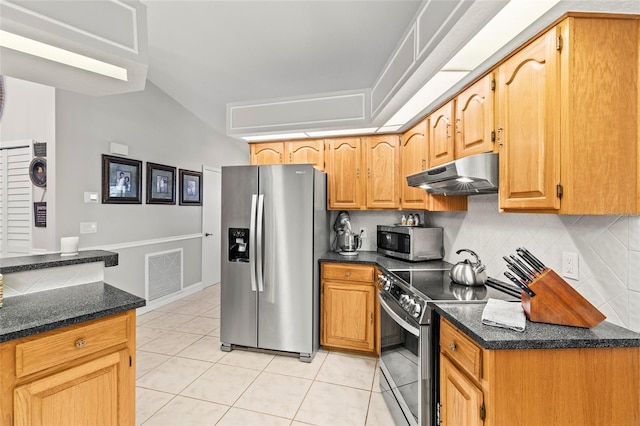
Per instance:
{"type": "Point", "coordinates": [412, 243]}
{"type": "Point", "coordinates": [346, 242]}
{"type": "Point", "coordinates": [409, 361]}
{"type": "Point", "coordinates": [476, 174]}
{"type": "Point", "coordinates": [274, 227]}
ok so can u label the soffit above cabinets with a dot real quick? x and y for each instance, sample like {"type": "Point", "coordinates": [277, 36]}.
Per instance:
{"type": "Point", "coordinates": [112, 33]}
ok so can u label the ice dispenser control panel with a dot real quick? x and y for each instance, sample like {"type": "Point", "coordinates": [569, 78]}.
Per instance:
{"type": "Point", "coordinates": [238, 245]}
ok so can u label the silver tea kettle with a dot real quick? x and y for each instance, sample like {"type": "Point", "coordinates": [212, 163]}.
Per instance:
{"type": "Point", "coordinates": [467, 272]}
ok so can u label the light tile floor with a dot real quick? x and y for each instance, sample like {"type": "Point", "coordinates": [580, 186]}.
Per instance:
{"type": "Point", "coordinates": [183, 378]}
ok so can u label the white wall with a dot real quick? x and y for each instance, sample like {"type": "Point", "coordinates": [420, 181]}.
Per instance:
{"type": "Point", "coordinates": [29, 113]}
{"type": "Point", "coordinates": [156, 129]}
{"type": "Point", "coordinates": [608, 248]}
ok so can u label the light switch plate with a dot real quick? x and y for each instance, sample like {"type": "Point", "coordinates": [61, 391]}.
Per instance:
{"type": "Point", "coordinates": [88, 227]}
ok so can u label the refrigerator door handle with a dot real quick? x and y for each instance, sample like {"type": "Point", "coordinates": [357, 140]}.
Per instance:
{"type": "Point", "coordinates": [252, 240]}
{"type": "Point", "coordinates": [259, 240]}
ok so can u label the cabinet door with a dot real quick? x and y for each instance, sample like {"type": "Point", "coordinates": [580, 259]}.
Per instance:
{"type": "Point", "coordinates": [383, 172]}
{"type": "Point", "coordinates": [345, 175]}
{"type": "Point", "coordinates": [441, 135]}
{"type": "Point", "coordinates": [348, 315]}
{"type": "Point", "coordinates": [414, 159]}
{"type": "Point", "coordinates": [460, 398]}
{"type": "Point", "coordinates": [304, 152]}
{"type": "Point", "coordinates": [93, 393]}
{"type": "Point", "coordinates": [267, 153]}
{"type": "Point", "coordinates": [528, 126]}
{"type": "Point", "coordinates": [474, 118]}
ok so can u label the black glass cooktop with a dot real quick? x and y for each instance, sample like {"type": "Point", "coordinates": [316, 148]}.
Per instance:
{"type": "Point", "coordinates": [436, 285]}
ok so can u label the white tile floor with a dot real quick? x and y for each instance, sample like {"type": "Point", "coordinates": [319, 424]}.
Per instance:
{"type": "Point", "coordinates": [183, 378]}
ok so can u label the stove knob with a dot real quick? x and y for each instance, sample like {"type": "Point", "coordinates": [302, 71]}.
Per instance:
{"type": "Point", "coordinates": [415, 310]}
{"type": "Point", "coordinates": [387, 286]}
{"type": "Point", "coordinates": [404, 300]}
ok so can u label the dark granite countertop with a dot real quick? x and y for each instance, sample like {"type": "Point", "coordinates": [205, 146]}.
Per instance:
{"type": "Point", "coordinates": [390, 264]}
{"type": "Point", "coordinates": [34, 313]}
{"type": "Point", "coordinates": [42, 261]}
{"type": "Point", "coordinates": [468, 318]}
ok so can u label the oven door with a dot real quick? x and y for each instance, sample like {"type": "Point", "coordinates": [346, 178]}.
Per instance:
{"type": "Point", "coordinates": [400, 364]}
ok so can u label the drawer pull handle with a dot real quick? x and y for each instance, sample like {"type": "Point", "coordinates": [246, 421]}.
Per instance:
{"type": "Point", "coordinates": [80, 343]}
{"type": "Point", "coordinates": [452, 346]}
{"type": "Point", "coordinates": [347, 273]}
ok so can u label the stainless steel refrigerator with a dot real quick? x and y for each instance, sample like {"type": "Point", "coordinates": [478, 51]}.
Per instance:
{"type": "Point", "coordinates": [274, 228]}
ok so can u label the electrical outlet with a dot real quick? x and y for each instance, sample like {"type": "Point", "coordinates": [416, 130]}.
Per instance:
{"type": "Point", "coordinates": [570, 265]}
{"type": "Point", "coordinates": [363, 232]}
{"type": "Point", "coordinates": [88, 227]}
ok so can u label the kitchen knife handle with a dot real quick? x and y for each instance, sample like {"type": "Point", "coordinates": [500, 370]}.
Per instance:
{"type": "Point", "coordinates": [530, 261]}
{"type": "Point", "coordinates": [534, 259]}
{"type": "Point", "coordinates": [520, 284]}
{"type": "Point", "coordinates": [524, 267]}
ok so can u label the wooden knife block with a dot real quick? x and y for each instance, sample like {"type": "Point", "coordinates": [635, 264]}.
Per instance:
{"type": "Point", "coordinates": [556, 302]}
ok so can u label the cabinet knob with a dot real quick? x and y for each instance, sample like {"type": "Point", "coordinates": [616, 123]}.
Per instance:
{"type": "Point", "coordinates": [452, 346]}
{"type": "Point", "coordinates": [80, 343]}
{"type": "Point", "coordinates": [346, 274]}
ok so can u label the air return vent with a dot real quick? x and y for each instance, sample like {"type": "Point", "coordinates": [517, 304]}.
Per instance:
{"type": "Point", "coordinates": [163, 273]}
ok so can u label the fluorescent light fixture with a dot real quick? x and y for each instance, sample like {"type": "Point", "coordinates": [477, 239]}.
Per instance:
{"type": "Point", "coordinates": [385, 129]}
{"type": "Point", "coordinates": [62, 56]}
{"type": "Point", "coordinates": [258, 138]}
{"type": "Point", "coordinates": [343, 132]}
{"type": "Point", "coordinates": [428, 93]}
{"type": "Point", "coordinates": [512, 19]}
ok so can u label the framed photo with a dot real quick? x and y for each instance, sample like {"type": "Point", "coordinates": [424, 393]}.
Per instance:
{"type": "Point", "coordinates": [161, 184]}
{"type": "Point", "coordinates": [190, 188]}
{"type": "Point", "coordinates": [121, 180]}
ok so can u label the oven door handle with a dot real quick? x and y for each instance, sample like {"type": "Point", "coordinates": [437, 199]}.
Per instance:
{"type": "Point", "coordinates": [401, 322]}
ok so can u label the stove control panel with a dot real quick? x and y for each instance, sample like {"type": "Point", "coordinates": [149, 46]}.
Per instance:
{"type": "Point", "coordinates": [411, 303]}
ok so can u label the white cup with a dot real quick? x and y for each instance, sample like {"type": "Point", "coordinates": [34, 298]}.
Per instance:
{"type": "Point", "coordinates": [69, 246]}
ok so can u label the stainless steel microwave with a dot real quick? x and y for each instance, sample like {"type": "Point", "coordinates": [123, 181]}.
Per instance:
{"type": "Point", "coordinates": [410, 243]}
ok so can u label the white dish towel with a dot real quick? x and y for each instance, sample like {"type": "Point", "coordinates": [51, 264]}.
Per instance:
{"type": "Point", "coordinates": [499, 313]}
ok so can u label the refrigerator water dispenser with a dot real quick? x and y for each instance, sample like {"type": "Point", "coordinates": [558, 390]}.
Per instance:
{"type": "Point", "coordinates": [238, 245]}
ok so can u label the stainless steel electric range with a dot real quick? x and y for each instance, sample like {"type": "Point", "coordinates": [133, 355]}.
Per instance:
{"type": "Point", "coordinates": [409, 334]}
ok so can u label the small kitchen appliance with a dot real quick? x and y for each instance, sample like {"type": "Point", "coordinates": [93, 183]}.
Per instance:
{"type": "Point", "coordinates": [410, 243]}
{"type": "Point", "coordinates": [346, 241]}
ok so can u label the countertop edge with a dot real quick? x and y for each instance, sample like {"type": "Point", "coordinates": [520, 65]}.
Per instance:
{"type": "Point", "coordinates": [540, 343]}
{"type": "Point", "coordinates": [43, 261]}
{"type": "Point", "coordinates": [92, 301]}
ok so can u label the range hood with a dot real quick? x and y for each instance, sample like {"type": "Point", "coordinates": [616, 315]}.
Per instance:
{"type": "Point", "coordinates": [476, 174]}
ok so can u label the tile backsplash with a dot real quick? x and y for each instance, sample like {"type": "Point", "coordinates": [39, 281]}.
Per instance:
{"type": "Point", "coordinates": [608, 247]}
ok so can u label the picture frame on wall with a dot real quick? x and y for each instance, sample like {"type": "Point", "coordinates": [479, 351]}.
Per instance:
{"type": "Point", "coordinates": [161, 184]}
{"type": "Point", "coordinates": [121, 180]}
{"type": "Point", "coordinates": [190, 188]}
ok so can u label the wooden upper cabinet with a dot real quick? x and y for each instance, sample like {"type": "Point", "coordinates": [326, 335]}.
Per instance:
{"type": "Point", "coordinates": [474, 118]}
{"type": "Point", "coordinates": [345, 174]}
{"type": "Point", "coordinates": [267, 153]}
{"type": "Point", "coordinates": [306, 151]}
{"type": "Point", "coordinates": [441, 143]}
{"type": "Point", "coordinates": [528, 126]}
{"type": "Point", "coordinates": [383, 171]}
{"type": "Point", "coordinates": [414, 160]}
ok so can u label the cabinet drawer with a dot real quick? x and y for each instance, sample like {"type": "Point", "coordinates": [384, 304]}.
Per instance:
{"type": "Point", "coordinates": [460, 349]}
{"type": "Point", "coordinates": [345, 272]}
{"type": "Point", "coordinates": [58, 347]}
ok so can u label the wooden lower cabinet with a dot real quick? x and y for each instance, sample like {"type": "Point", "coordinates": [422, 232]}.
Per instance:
{"type": "Point", "coordinates": [78, 375]}
{"type": "Point", "coordinates": [349, 308]}
{"type": "Point", "coordinates": [586, 386]}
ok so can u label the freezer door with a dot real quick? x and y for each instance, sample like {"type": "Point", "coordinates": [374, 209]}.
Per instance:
{"type": "Point", "coordinates": [285, 304]}
{"type": "Point", "coordinates": [238, 304]}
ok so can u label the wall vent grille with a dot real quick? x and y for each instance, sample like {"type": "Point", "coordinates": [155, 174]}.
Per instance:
{"type": "Point", "coordinates": [163, 273]}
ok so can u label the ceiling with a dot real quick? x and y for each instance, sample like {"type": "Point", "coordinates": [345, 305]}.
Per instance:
{"type": "Point", "coordinates": [206, 54]}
